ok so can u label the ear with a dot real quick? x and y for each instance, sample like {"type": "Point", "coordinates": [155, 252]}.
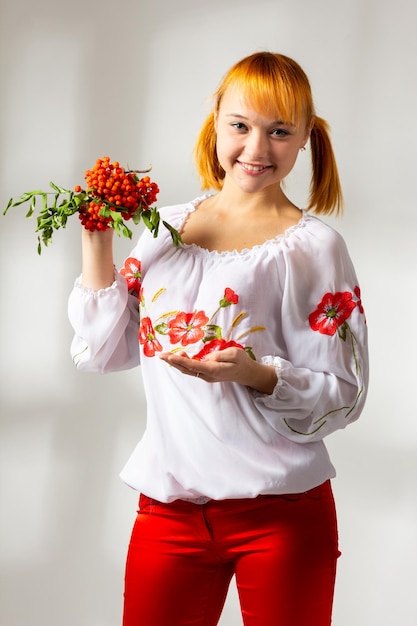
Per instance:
{"type": "Point", "coordinates": [308, 131]}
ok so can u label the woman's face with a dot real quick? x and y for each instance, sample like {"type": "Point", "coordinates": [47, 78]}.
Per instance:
{"type": "Point", "coordinates": [255, 150]}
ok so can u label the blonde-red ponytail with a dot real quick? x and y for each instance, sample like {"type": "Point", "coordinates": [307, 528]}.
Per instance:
{"type": "Point", "coordinates": [325, 191]}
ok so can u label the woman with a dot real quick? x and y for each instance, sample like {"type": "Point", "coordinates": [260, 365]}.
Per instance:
{"type": "Point", "coordinates": [252, 342]}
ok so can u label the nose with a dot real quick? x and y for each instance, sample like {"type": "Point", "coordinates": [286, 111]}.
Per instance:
{"type": "Point", "coordinates": [256, 146]}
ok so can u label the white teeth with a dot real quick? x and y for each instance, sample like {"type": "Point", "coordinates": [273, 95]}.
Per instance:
{"type": "Point", "coordinates": [253, 168]}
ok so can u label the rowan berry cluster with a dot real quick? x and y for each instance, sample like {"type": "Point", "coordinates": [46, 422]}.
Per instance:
{"type": "Point", "coordinates": [112, 196]}
{"type": "Point", "coordinates": [112, 188]}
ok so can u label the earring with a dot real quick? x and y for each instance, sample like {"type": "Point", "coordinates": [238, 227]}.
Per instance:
{"type": "Point", "coordinates": [302, 148]}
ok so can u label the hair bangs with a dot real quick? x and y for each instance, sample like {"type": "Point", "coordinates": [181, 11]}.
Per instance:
{"type": "Point", "coordinates": [274, 100]}
{"type": "Point", "coordinates": [274, 85]}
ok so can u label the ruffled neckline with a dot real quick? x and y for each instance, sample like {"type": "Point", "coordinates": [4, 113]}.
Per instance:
{"type": "Point", "coordinates": [194, 248]}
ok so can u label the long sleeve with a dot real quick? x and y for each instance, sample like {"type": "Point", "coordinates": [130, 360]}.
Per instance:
{"type": "Point", "coordinates": [323, 375]}
{"type": "Point", "coordinates": [106, 327]}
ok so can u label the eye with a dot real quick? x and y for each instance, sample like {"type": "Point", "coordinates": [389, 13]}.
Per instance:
{"type": "Point", "coordinates": [280, 132]}
{"type": "Point", "coordinates": [239, 126]}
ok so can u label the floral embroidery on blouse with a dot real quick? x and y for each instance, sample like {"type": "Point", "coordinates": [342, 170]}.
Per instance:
{"type": "Point", "coordinates": [332, 312]}
{"type": "Point", "coordinates": [184, 329]}
{"type": "Point", "coordinates": [147, 338]}
{"type": "Point", "coordinates": [216, 344]}
{"type": "Point", "coordinates": [131, 270]}
{"type": "Point", "coordinates": [330, 317]}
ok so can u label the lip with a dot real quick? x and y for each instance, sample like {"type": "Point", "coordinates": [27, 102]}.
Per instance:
{"type": "Point", "coordinates": [254, 169]}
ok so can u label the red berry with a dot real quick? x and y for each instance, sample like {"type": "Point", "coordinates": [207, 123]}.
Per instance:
{"type": "Point", "coordinates": [109, 183]}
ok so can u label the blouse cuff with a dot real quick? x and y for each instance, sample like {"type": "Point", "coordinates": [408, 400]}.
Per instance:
{"type": "Point", "coordinates": [89, 291]}
{"type": "Point", "coordinates": [276, 362]}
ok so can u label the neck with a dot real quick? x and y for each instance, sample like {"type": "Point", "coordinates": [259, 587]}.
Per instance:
{"type": "Point", "coordinates": [270, 199]}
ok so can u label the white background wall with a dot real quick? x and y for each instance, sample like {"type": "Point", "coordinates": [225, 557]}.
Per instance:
{"type": "Point", "coordinates": [132, 79]}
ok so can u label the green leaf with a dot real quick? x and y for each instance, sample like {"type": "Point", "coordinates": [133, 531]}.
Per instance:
{"type": "Point", "coordinates": [59, 189]}
{"type": "Point", "coordinates": [343, 331]}
{"type": "Point", "coordinates": [137, 215]}
{"type": "Point", "coordinates": [162, 328]}
{"type": "Point", "coordinates": [126, 231]}
{"type": "Point", "coordinates": [151, 220]}
{"type": "Point", "coordinates": [213, 331]}
{"type": "Point", "coordinates": [79, 199]}
{"type": "Point", "coordinates": [32, 207]}
{"type": "Point", "coordinates": [43, 223]}
{"type": "Point", "coordinates": [9, 204]}
{"type": "Point", "coordinates": [22, 199]}
{"type": "Point", "coordinates": [105, 211]}
{"type": "Point", "coordinates": [250, 353]}
{"type": "Point", "coordinates": [56, 197]}
{"type": "Point", "coordinates": [176, 237]}
{"type": "Point", "coordinates": [146, 215]}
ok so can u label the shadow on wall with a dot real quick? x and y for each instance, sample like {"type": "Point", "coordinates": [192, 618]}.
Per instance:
{"type": "Point", "coordinates": [68, 517]}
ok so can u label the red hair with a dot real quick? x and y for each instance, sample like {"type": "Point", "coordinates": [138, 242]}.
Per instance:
{"type": "Point", "coordinates": [276, 85]}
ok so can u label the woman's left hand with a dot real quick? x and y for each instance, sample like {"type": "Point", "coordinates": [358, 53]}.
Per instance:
{"type": "Point", "coordinates": [230, 364]}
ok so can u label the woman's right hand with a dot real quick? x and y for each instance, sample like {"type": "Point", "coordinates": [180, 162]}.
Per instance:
{"type": "Point", "coordinates": [230, 364]}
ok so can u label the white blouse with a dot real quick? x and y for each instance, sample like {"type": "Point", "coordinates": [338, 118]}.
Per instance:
{"type": "Point", "coordinates": [293, 302]}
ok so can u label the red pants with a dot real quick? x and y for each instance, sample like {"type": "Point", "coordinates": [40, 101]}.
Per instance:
{"type": "Point", "coordinates": [281, 549]}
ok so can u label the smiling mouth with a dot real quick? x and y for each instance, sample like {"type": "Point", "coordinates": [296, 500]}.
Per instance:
{"type": "Point", "coordinates": [253, 168]}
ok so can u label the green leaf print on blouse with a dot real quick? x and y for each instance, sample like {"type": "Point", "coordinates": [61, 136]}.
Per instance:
{"type": "Point", "coordinates": [330, 317]}
{"type": "Point", "coordinates": [185, 329]}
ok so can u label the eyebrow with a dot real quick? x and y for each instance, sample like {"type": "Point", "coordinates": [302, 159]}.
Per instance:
{"type": "Point", "coordinates": [274, 122]}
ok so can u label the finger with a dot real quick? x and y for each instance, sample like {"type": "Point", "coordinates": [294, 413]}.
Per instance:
{"type": "Point", "coordinates": [228, 355]}
{"type": "Point", "coordinates": [183, 364]}
{"type": "Point", "coordinates": [174, 359]}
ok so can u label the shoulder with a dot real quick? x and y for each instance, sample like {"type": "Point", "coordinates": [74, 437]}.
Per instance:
{"type": "Point", "coordinates": [316, 261]}
{"type": "Point", "coordinates": [175, 215]}
{"type": "Point", "coordinates": [180, 212]}
{"type": "Point", "coordinates": [316, 248]}
{"type": "Point", "coordinates": [321, 231]}
{"type": "Point", "coordinates": [315, 236]}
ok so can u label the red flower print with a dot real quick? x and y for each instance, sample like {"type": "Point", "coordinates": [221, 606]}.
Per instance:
{"type": "Point", "coordinates": [187, 327]}
{"type": "Point", "coordinates": [332, 312]}
{"type": "Point", "coordinates": [147, 338]}
{"type": "Point", "coordinates": [213, 345]}
{"type": "Point", "coordinates": [357, 293]}
{"type": "Point", "coordinates": [131, 272]}
{"type": "Point", "coordinates": [230, 297]}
